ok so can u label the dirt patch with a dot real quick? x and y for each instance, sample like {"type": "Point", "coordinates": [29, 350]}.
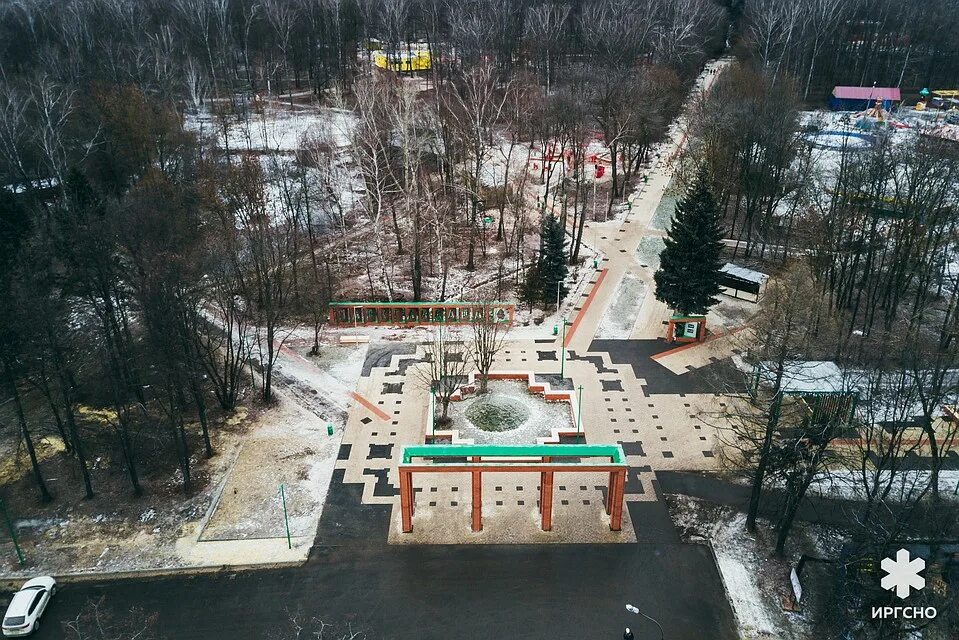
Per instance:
{"type": "Point", "coordinates": [291, 449]}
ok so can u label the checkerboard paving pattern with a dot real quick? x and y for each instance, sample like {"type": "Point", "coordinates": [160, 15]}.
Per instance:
{"type": "Point", "coordinates": [657, 432]}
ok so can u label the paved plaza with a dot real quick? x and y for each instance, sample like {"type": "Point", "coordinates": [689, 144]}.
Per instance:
{"type": "Point", "coordinates": [652, 398]}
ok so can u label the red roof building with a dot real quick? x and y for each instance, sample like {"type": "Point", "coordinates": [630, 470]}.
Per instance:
{"type": "Point", "coordinates": [858, 98]}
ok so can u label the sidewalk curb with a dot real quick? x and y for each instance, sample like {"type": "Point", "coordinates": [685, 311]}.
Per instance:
{"type": "Point", "coordinates": [722, 580]}
{"type": "Point", "coordinates": [8, 582]}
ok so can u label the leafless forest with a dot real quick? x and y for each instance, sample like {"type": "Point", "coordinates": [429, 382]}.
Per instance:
{"type": "Point", "coordinates": [164, 222]}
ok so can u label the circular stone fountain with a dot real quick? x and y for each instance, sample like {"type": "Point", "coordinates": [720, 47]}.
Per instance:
{"type": "Point", "coordinates": [508, 414]}
{"type": "Point", "coordinates": [496, 412]}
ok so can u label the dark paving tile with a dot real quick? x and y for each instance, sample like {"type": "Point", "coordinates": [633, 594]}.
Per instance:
{"type": "Point", "coordinates": [596, 361]}
{"type": "Point", "coordinates": [612, 385]}
{"type": "Point", "coordinates": [380, 451]}
{"type": "Point", "coordinates": [633, 448]}
{"type": "Point", "coordinates": [346, 521]}
{"type": "Point", "coordinates": [392, 387]}
{"type": "Point", "coordinates": [383, 487]}
{"type": "Point", "coordinates": [660, 380]}
{"type": "Point", "coordinates": [555, 381]}
{"type": "Point", "coordinates": [634, 485]}
{"type": "Point", "coordinates": [380, 356]}
{"type": "Point", "coordinates": [344, 453]}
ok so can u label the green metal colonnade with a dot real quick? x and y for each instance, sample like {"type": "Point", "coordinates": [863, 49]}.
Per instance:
{"type": "Point", "coordinates": [479, 459]}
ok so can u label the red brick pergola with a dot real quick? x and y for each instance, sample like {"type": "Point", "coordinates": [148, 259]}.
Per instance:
{"type": "Point", "coordinates": [416, 313]}
{"type": "Point", "coordinates": [479, 459]}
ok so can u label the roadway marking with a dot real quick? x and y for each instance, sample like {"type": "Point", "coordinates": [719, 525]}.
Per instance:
{"type": "Point", "coordinates": [369, 405]}
{"type": "Point", "coordinates": [585, 308]}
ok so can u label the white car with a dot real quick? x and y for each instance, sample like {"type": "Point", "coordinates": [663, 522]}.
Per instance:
{"type": "Point", "coordinates": [28, 604]}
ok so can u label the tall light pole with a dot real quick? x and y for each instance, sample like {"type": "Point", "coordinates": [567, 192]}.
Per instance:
{"type": "Point", "coordinates": [579, 414]}
{"type": "Point", "coordinates": [13, 532]}
{"type": "Point", "coordinates": [636, 610]}
{"type": "Point", "coordinates": [562, 350]}
{"type": "Point", "coordinates": [286, 517]}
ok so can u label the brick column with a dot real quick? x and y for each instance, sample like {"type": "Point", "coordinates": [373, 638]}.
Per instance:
{"type": "Point", "coordinates": [546, 502]}
{"type": "Point", "coordinates": [477, 500]}
{"type": "Point", "coordinates": [542, 487]}
{"type": "Point", "coordinates": [616, 515]}
{"type": "Point", "coordinates": [406, 500]}
{"type": "Point", "coordinates": [609, 492]}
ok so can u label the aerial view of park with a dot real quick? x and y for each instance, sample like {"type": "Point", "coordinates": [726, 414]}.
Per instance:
{"type": "Point", "coordinates": [492, 319]}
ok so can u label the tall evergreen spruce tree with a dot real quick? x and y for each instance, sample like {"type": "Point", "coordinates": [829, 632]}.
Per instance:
{"type": "Point", "coordinates": [531, 289]}
{"type": "Point", "coordinates": [688, 276]}
{"type": "Point", "coordinates": [552, 259]}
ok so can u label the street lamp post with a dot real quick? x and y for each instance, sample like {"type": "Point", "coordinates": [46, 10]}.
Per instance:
{"type": "Point", "coordinates": [433, 411]}
{"type": "Point", "coordinates": [562, 350]}
{"type": "Point", "coordinates": [579, 414]}
{"type": "Point", "coordinates": [13, 532]}
{"type": "Point", "coordinates": [286, 517]}
{"type": "Point", "coordinates": [636, 610]}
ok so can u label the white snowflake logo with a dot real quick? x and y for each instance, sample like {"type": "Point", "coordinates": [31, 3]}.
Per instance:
{"type": "Point", "coordinates": [903, 573]}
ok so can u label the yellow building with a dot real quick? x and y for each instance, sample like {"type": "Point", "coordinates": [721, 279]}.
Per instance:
{"type": "Point", "coordinates": [403, 61]}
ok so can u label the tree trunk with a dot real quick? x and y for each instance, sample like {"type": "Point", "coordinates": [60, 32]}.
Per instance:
{"type": "Point", "coordinates": [28, 440]}
{"type": "Point", "coordinates": [66, 393]}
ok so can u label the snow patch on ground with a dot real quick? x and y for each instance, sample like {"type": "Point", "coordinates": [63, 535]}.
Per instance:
{"type": "Point", "coordinates": [647, 253]}
{"type": "Point", "coordinates": [623, 310]}
{"type": "Point", "coordinates": [751, 578]}
{"type": "Point", "coordinates": [275, 129]}
{"type": "Point", "coordinates": [848, 485]}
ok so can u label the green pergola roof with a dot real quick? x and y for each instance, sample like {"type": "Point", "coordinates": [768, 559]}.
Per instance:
{"type": "Point", "coordinates": [612, 451]}
{"type": "Point", "coordinates": [448, 303]}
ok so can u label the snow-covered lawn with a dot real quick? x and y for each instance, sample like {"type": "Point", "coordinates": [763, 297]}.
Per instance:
{"type": "Point", "coordinates": [756, 583]}
{"type": "Point", "coordinates": [274, 129]}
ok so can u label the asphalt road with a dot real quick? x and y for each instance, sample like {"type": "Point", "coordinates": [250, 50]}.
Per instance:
{"type": "Point", "coordinates": [554, 592]}
{"type": "Point", "coordinates": [353, 577]}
